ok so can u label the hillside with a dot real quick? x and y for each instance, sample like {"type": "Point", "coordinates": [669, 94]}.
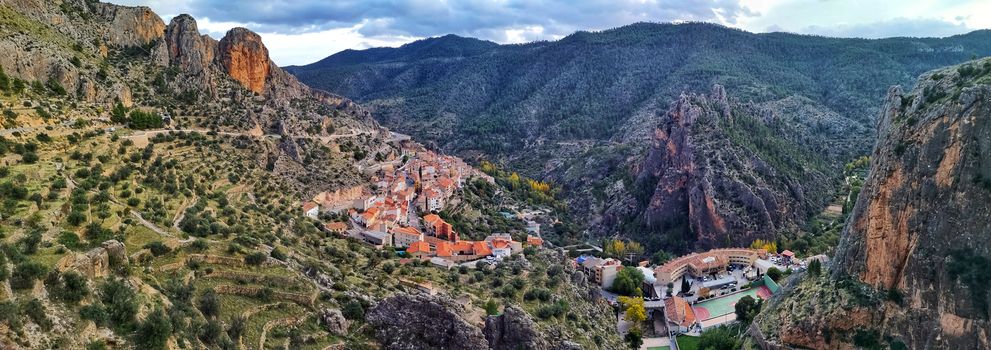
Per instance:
{"type": "Point", "coordinates": [152, 180]}
{"type": "Point", "coordinates": [911, 269]}
{"type": "Point", "coordinates": [721, 173]}
{"type": "Point", "coordinates": [573, 111]}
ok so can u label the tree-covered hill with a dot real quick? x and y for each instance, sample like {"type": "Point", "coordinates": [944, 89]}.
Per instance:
{"type": "Point", "coordinates": [583, 111]}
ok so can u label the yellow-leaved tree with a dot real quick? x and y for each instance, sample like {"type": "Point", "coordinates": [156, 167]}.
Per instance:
{"type": "Point", "coordinates": [634, 307]}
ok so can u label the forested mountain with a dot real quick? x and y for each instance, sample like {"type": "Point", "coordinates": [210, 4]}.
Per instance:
{"type": "Point", "coordinates": [581, 111]}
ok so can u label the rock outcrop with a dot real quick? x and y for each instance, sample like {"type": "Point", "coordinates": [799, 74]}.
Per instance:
{"type": "Point", "coordinates": [514, 329]}
{"type": "Point", "coordinates": [718, 174]}
{"type": "Point", "coordinates": [423, 322]}
{"type": "Point", "coordinates": [245, 58]}
{"type": "Point", "coordinates": [96, 262]}
{"type": "Point", "coordinates": [918, 235]}
{"type": "Point", "coordinates": [334, 321]}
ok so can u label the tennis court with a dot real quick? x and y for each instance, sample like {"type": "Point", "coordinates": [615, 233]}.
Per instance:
{"type": "Point", "coordinates": [725, 305]}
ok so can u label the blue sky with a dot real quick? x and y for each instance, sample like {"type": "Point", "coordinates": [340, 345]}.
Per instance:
{"type": "Point", "coordinates": [304, 31]}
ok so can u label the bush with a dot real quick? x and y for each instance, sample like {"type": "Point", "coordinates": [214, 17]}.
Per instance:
{"type": "Point", "coordinates": [278, 254]}
{"type": "Point", "coordinates": [154, 332]}
{"type": "Point", "coordinates": [209, 304]}
{"type": "Point", "coordinates": [774, 274]}
{"type": "Point", "coordinates": [140, 120]}
{"type": "Point", "coordinates": [37, 313]}
{"type": "Point", "coordinates": [96, 313]}
{"type": "Point", "coordinates": [157, 248]}
{"type": "Point", "coordinates": [25, 273]}
{"type": "Point", "coordinates": [628, 282]}
{"type": "Point", "coordinates": [719, 338]}
{"type": "Point", "coordinates": [353, 310]}
{"type": "Point", "coordinates": [255, 259]}
{"type": "Point", "coordinates": [121, 304]}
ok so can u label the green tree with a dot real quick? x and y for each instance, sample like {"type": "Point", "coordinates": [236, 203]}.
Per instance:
{"type": "Point", "coordinates": [634, 338]}
{"type": "Point", "coordinates": [815, 267]}
{"type": "Point", "coordinates": [154, 332]}
{"type": "Point", "coordinates": [119, 114]}
{"type": "Point", "coordinates": [719, 338]}
{"type": "Point", "coordinates": [209, 304]}
{"type": "Point", "coordinates": [628, 282]}
{"type": "Point", "coordinates": [774, 273]}
{"type": "Point", "coordinates": [746, 309]}
{"type": "Point", "coordinates": [491, 307]}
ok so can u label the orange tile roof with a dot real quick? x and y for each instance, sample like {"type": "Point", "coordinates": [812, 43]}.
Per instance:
{"type": "Point", "coordinates": [406, 231]}
{"type": "Point", "coordinates": [336, 226]}
{"type": "Point", "coordinates": [444, 249]}
{"type": "Point", "coordinates": [679, 311]}
{"type": "Point", "coordinates": [431, 218]}
{"type": "Point", "coordinates": [500, 243]}
{"type": "Point", "coordinates": [480, 248]}
{"type": "Point", "coordinates": [418, 247]}
{"type": "Point", "coordinates": [463, 246]}
{"type": "Point", "coordinates": [534, 240]}
{"type": "Point", "coordinates": [445, 182]}
{"type": "Point", "coordinates": [309, 206]}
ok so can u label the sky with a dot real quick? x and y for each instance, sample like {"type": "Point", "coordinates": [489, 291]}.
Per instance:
{"type": "Point", "coordinates": [304, 31]}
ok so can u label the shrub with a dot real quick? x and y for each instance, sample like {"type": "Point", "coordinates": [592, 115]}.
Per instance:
{"type": "Point", "coordinates": [255, 259]}
{"type": "Point", "coordinates": [25, 273]}
{"type": "Point", "coordinates": [96, 313]}
{"type": "Point", "coordinates": [154, 332]}
{"type": "Point", "coordinates": [157, 248]}
{"type": "Point", "coordinates": [209, 304]}
{"type": "Point", "coordinates": [353, 310]}
{"type": "Point", "coordinates": [121, 304]}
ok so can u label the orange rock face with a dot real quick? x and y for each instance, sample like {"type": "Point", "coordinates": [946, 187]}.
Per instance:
{"type": "Point", "coordinates": [245, 58]}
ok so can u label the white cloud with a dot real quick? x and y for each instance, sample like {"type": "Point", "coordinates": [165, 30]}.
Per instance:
{"type": "Point", "coordinates": [303, 31]}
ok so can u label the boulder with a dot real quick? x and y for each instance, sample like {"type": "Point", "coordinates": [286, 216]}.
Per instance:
{"type": "Point", "coordinates": [334, 321]}
{"type": "Point", "coordinates": [423, 322]}
{"type": "Point", "coordinates": [514, 329]}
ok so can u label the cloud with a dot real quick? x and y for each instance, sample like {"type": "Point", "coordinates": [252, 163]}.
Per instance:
{"type": "Point", "coordinates": [420, 18]}
{"type": "Point", "coordinates": [919, 27]}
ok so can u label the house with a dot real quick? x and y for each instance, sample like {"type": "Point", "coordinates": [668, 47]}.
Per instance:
{"type": "Point", "coordinates": [532, 228]}
{"type": "Point", "coordinates": [445, 249]}
{"type": "Point", "coordinates": [679, 313]}
{"type": "Point", "coordinates": [602, 271]}
{"type": "Point", "coordinates": [405, 236]}
{"type": "Point", "coordinates": [311, 209]}
{"type": "Point", "coordinates": [377, 238]}
{"type": "Point", "coordinates": [419, 249]}
{"type": "Point", "coordinates": [369, 217]}
{"type": "Point", "coordinates": [787, 255]}
{"type": "Point", "coordinates": [335, 227]}
{"type": "Point", "coordinates": [537, 241]}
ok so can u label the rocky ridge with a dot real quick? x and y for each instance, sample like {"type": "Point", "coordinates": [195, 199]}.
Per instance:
{"type": "Point", "coordinates": [914, 253]}
{"type": "Point", "coordinates": [721, 173]}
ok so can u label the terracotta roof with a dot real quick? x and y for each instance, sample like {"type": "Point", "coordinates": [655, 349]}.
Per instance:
{"type": "Point", "coordinates": [406, 231]}
{"type": "Point", "coordinates": [480, 248]}
{"type": "Point", "coordinates": [788, 253]}
{"type": "Point", "coordinates": [336, 226]}
{"type": "Point", "coordinates": [679, 311]}
{"type": "Point", "coordinates": [534, 240]}
{"type": "Point", "coordinates": [499, 243]}
{"type": "Point", "coordinates": [444, 249]}
{"type": "Point", "coordinates": [418, 247]}
{"type": "Point", "coordinates": [309, 206]}
{"type": "Point", "coordinates": [431, 218]}
{"type": "Point", "coordinates": [445, 182]}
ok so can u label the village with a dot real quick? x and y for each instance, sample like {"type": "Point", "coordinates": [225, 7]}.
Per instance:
{"type": "Point", "coordinates": [400, 211]}
{"type": "Point", "coordinates": [697, 291]}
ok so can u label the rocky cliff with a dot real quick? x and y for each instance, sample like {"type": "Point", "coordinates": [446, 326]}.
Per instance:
{"type": "Point", "coordinates": [721, 173]}
{"type": "Point", "coordinates": [915, 250]}
{"type": "Point", "coordinates": [423, 322]}
{"type": "Point", "coordinates": [103, 53]}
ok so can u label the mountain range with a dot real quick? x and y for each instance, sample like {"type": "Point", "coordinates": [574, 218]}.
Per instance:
{"type": "Point", "coordinates": [582, 112]}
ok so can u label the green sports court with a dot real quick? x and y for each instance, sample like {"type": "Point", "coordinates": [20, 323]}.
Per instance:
{"type": "Point", "coordinates": [725, 305]}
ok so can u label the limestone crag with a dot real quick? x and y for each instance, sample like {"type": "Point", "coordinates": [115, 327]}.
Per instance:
{"type": "Point", "coordinates": [917, 237]}
{"type": "Point", "coordinates": [245, 58]}
{"type": "Point", "coordinates": [423, 322]}
{"type": "Point", "coordinates": [704, 181]}
{"type": "Point", "coordinates": [514, 329]}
